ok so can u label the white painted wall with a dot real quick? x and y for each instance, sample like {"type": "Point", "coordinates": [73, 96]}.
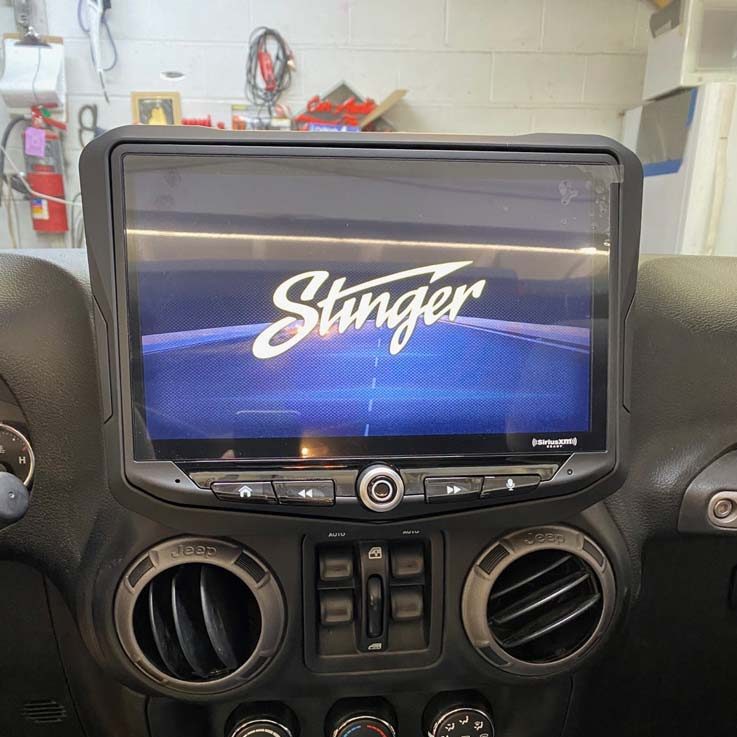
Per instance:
{"type": "Point", "coordinates": [471, 66]}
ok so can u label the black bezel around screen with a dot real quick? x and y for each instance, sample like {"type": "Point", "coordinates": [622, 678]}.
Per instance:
{"type": "Point", "coordinates": [290, 450]}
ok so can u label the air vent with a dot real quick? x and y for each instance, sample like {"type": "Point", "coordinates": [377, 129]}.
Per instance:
{"type": "Point", "coordinates": [544, 606]}
{"type": "Point", "coordinates": [200, 623]}
{"type": "Point", "coordinates": [44, 711]}
{"type": "Point", "coordinates": [541, 606]}
{"type": "Point", "coordinates": [197, 622]}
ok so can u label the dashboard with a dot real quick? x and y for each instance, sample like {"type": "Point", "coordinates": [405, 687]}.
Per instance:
{"type": "Point", "coordinates": [238, 513]}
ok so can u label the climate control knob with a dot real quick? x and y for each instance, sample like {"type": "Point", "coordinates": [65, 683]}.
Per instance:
{"type": "Point", "coordinates": [271, 720]}
{"type": "Point", "coordinates": [374, 718]}
{"type": "Point", "coordinates": [364, 726]}
{"type": "Point", "coordinates": [461, 715]}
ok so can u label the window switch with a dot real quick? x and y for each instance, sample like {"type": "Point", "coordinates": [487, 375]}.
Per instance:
{"type": "Point", "coordinates": [336, 607]}
{"type": "Point", "coordinates": [407, 603]}
{"type": "Point", "coordinates": [336, 565]}
{"type": "Point", "coordinates": [408, 560]}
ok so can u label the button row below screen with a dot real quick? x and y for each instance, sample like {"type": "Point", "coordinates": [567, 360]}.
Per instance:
{"type": "Point", "coordinates": [322, 493]}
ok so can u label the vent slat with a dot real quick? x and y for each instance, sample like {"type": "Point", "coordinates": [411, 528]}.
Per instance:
{"type": "Point", "coordinates": [189, 622]}
{"type": "Point", "coordinates": [163, 629]}
{"type": "Point", "coordinates": [44, 711]}
{"type": "Point", "coordinates": [551, 621]}
{"type": "Point", "coordinates": [220, 613]}
{"type": "Point", "coordinates": [531, 578]}
{"type": "Point", "coordinates": [540, 598]}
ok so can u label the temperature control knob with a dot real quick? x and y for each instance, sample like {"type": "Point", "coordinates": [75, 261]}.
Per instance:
{"type": "Point", "coordinates": [374, 718]}
{"type": "Point", "coordinates": [463, 715]}
{"type": "Point", "coordinates": [364, 726]}
{"type": "Point", "coordinates": [268, 721]}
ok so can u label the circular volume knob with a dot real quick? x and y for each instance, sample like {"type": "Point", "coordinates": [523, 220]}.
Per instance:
{"type": "Point", "coordinates": [371, 718]}
{"type": "Point", "coordinates": [380, 488]}
{"type": "Point", "coordinates": [461, 715]}
{"type": "Point", "coordinates": [267, 721]}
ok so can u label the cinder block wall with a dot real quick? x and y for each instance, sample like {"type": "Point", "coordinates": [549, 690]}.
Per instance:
{"type": "Point", "coordinates": [471, 66]}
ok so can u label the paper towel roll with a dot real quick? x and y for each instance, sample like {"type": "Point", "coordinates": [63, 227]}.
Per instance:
{"type": "Point", "coordinates": [33, 75]}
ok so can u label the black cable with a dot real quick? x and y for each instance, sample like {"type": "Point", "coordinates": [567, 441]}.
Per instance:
{"type": "Point", "coordinates": [11, 180]}
{"type": "Point", "coordinates": [4, 141]}
{"type": "Point", "coordinates": [258, 92]}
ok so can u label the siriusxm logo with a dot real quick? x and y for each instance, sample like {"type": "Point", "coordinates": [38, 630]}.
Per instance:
{"type": "Point", "coordinates": [554, 443]}
{"type": "Point", "coordinates": [344, 307]}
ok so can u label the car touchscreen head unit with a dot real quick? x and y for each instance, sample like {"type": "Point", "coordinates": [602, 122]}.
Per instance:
{"type": "Point", "coordinates": [292, 302]}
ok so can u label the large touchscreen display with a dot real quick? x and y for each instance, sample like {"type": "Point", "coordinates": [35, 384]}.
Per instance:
{"type": "Point", "coordinates": [313, 307]}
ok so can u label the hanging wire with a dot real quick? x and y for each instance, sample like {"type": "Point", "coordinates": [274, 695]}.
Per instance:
{"type": "Point", "coordinates": [268, 71]}
{"type": "Point", "coordinates": [106, 26]}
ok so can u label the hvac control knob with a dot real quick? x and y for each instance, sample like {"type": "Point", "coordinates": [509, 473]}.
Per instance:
{"type": "Point", "coordinates": [361, 718]}
{"type": "Point", "coordinates": [458, 715]}
{"type": "Point", "coordinates": [267, 720]}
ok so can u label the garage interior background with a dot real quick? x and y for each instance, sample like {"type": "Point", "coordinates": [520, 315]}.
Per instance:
{"type": "Point", "coordinates": [500, 67]}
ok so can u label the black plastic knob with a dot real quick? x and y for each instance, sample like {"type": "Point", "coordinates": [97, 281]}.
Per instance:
{"type": "Point", "coordinates": [273, 720]}
{"type": "Point", "coordinates": [458, 715]}
{"type": "Point", "coordinates": [361, 718]}
{"type": "Point", "coordinates": [13, 498]}
{"type": "Point", "coordinates": [365, 725]}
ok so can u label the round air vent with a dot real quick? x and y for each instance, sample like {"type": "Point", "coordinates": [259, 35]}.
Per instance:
{"type": "Point", "coordinates": [199, 615]}
{"type": "Point", "coordinates": [538, 600]}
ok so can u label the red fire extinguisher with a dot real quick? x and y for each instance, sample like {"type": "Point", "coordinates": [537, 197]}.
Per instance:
{"type": "Point", "coordinates": [48, 216]}
{"type": "Point", "coordinates": [45, 177]}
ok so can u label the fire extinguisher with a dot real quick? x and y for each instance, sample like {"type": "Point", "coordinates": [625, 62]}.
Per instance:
{"type": "Point", "coordinates": [44, 176]}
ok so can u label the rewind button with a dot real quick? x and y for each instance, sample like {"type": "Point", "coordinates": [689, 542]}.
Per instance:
{"type": "Point", "coordinates": [452, 489]}
{"type": "Point", "coordinates": [305, 493]}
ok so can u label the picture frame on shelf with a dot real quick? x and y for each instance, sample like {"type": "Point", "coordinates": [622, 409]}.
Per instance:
{"type": "Point", "coordinates": [156, 108]}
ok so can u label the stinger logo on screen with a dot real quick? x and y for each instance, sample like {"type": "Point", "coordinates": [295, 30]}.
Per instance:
{"type": "Point", "coordinates": [313, 303]}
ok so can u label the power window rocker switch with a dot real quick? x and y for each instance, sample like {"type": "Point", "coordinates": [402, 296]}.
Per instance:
{"type": "Point", "coordinates": [336, 607]}
{"type": "Point", "coordinates": [407, 603]}
{"type": "Point", "coordinates": [407, 560]}
{"type": "Point", "coordinates": [336, 565]}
